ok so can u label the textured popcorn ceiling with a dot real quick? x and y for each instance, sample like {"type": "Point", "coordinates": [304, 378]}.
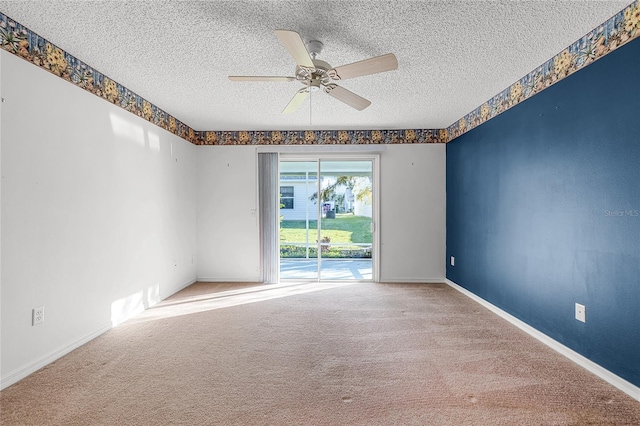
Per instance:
{"type": "Point", "coordinates": [452, 55]}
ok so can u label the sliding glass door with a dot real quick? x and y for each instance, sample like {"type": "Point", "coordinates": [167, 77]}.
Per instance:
{"type": "Point", "coordinates": [298, 220]}
{"type": "Point", "coordinates": [326, 219]}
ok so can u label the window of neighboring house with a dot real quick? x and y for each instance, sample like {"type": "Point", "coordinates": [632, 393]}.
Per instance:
{"type": "Point", "coordinates": [286, 197]}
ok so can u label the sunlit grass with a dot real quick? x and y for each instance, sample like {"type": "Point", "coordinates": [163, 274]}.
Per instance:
{"type": "Point", "coordinates": [345, 228]}
{"type": "Point", "coordinates": [297, 235]}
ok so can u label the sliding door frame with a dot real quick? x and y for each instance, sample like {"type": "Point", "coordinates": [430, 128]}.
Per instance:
{"type": "Point", "coordinates": [375, 162]}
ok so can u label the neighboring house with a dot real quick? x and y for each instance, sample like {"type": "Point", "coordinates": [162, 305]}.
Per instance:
{"type": "Point", "coordinates": [361, 209]}
{"type": "Point", "coordinates": [362, 206]}
{"type": "Point", "coordinates": [295, 204]}
{"type": "Point", "coordinates": [294, 198]}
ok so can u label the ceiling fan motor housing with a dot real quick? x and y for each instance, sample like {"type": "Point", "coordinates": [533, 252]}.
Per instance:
{"type": "Point", "coordinates": [314, 77]}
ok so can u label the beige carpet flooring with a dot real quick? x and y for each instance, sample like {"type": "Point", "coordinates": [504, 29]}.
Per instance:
{"type": "Point", "coordinates": [315, 354]}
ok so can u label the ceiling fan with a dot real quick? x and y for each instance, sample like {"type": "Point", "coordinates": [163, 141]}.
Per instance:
{"type": "Point", "coordinates": [314, 73]}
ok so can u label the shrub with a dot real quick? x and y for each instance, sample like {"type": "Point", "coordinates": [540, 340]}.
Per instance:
{"type": "Point", "coordinates": [300, 252]}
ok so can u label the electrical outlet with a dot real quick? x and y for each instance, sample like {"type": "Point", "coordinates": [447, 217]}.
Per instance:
{"type": "Point", "coordinates": [37, 315]}
{"type": "Point", "coordinates": [581, 312]}
{"type": "Point", "coordinates": [453, 261]}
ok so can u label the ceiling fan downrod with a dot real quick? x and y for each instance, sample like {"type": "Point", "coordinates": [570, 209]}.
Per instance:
{"type": "Point", "coordinates": [314, 47]}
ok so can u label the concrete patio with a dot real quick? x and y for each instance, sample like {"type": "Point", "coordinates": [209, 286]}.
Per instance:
{"type": "Point", "coordinates": [330, 270]}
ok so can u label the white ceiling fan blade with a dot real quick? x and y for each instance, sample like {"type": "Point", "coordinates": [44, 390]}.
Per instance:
{"type": "Point", "coordinates": [346, 96]}
{"type": "Point", "coordinates": [259, 78]}
{"type": "Point", "coordinates": [296, 101]}
{"type": "Point", "coordinates": [292, 41]}
{"type": "Point", "coordinates": [375, 65]}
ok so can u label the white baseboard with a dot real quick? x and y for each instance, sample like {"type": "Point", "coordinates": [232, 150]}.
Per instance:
{"type": "Point", "coordinates": [629, 388]}
{"type": "Point", "coordinates": [173, 291]}
{"type": "Point", "coordinates": [140, 309]}
{"type": "Point", "coordinates": [20, 374]}
{"type": "Point", "coordinates": [413, 280]}
{"type": "Point", "coordinates": [228, 280]}
{"type": "Point", "coordinates": [23, 372]}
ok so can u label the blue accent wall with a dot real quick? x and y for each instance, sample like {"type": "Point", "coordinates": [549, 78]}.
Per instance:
{"type": "Point", "coordinates": [543, 211]}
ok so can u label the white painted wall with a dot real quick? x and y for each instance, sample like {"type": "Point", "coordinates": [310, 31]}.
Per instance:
{"type": "Point", "coordinates": [98, 215]}
{"type": "Point", "coordinates": [412, 213]}
{"type": "Point", "coordinates": [411, 224]}
{"type": "Point", "coordinates": [228, 229]}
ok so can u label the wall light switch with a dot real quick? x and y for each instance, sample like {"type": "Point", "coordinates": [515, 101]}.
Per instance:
{"type": "Point", "coordinates": [581, 312]}
{"type": "Point", "coordinates": [453, 261]}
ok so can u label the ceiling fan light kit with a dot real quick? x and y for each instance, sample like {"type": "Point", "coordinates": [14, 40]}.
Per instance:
{"type": "Point", "coordinates": [315, 74]}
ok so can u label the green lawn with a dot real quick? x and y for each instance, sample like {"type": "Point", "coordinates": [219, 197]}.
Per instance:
{"type": "Point", "coordinates": [345, 228]}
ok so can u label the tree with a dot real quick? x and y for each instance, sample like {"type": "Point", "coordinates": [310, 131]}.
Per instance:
{"type": "Point", "coordinates": [329, 193]}
{"type": "Point", "coordinates": [360, 187]}
{"type": "Point", "coordinates": [364, 195]}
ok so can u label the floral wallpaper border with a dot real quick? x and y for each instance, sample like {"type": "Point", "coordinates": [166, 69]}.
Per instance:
{"type": "Point", "coordinates": [618, 30]}
{"type": "Point", "coordinates": [323, 137]}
